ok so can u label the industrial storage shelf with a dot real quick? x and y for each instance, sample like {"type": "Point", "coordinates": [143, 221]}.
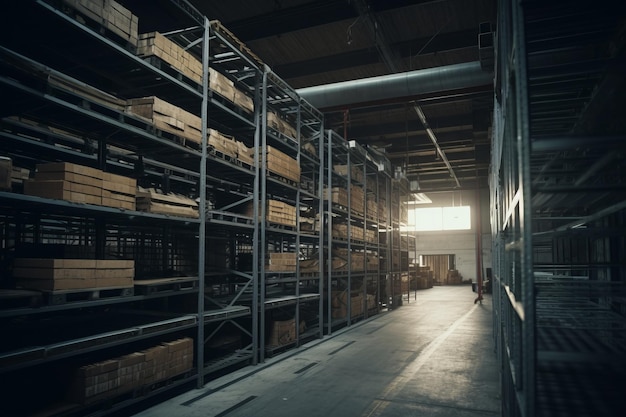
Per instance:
{"type": "Point", "coordinates": [32, 301]}
{"type": "Point", "coordinates": [144, 327]}
{"type": "Point", "coordinates": [28, 203]}
{"type": "Point", "coordinates": [102, 60]}
{"type": "Point", "coordinates": [226, 313]}
{"type": "Point", "coordinates": [558, 211]}
{"type": "Point", "coordinates": [231, 360]}
{"type": "Point", "coordinates": [50, 120]}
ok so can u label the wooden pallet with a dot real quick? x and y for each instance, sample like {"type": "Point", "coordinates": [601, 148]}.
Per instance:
{"type": "Point", "coordinates": [88, 294]}
{"type": "Point", "coordinates": [282, 179]}
{"type": "Point", "coordinates": [161, 285]}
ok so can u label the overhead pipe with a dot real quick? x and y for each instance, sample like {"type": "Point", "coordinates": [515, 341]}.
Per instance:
{"type": "Point", "coordinates": [406, 84]}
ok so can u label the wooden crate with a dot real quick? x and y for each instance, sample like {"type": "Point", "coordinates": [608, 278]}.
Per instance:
{"type": "Point", "coordinates": [356, 172]}
{"type": "Point", "coordinates": [282, 213]}
{"type": "Point", "coordinates": [155, 44]}
{"type": "Point", "coordinates": [154, 201]}
{"type": "Point", "coordinates": [167, 117]}
{"type": "Point", "coordinates": [243, 100]}
{"type": "Point", "coordinates": [357, 199]}
{"type": "Point", "coordinates": [337, 195]}
{"type": "Point", "coordinates": [221, 85]}
{"type": "Point", "coordinates": [111, 15]}
{"type": "Point", "coordinates": [282, 164]}
{"type": "Point", "coordinates": [276, 122]}
{"type": "Point", "coordinates": [223, 144]}
{"type": "Point", "coordinates": [276, 212]}
{"type": "Point", "coordinates": [282, 332]}
{"type": "Point", "coordinates": [281, 262]}
{"type": "Point", "coordinates": [73, 274]}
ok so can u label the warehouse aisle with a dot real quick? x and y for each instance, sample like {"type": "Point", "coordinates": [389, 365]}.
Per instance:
{"type": "Point", "coordinates": [432, 357]}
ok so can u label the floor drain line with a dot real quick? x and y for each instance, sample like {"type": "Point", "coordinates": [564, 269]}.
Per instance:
{"type": "Point", "coordinates": [236, 406]}
{"type": "Point", "coordinates": [309, 366]}
{"type": "Point", "coordinates": [341, 348]}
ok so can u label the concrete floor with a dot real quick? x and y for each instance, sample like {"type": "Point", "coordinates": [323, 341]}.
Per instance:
{"type": "Point", "coordinates": [431, 357]}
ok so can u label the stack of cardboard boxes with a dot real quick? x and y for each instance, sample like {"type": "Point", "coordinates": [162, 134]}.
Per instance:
{"type": "Point", "coordinates": [282, 165]}
{"type": "Point", "coordinates": [73, 274]}
{"type": "Point", "coordinates": [80, 184]}
{"type": "Point", "coordinates": [110, 378]}
{"type": "Point", "coordinates": [281, 262]}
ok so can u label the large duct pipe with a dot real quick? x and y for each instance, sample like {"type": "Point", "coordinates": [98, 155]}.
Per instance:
{"type": "Point", "coordinates": [407, 84]}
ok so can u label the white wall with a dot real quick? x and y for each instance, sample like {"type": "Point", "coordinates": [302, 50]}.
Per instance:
{"type": "Point", "coordinates": [461, 243]}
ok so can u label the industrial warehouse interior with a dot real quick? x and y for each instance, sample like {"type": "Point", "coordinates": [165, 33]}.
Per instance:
{"type": "Point", "coordinates": [316, 208]}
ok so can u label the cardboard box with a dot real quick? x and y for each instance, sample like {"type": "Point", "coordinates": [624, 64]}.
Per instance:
{"type": "Point", "coordinates": [281, 262]}
{"type": "Point", "coordinates": [282, 332]}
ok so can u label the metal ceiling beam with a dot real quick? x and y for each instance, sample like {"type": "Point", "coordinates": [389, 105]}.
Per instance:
{"type": "Point", "coordinates": [315, 13]}
{"type": "Point", "coordinates": [362, 57]}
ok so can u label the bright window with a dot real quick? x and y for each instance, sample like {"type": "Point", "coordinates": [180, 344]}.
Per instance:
{"type": "Point", "coordinates": [440, 218]}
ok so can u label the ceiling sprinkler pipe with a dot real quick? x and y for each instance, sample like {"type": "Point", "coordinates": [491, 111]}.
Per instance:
{"type": "Point", "coordinates": [407, 84]}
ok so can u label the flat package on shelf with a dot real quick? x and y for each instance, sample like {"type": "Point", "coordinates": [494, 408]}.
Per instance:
{"type": "Point", "coordinates": [276, 212]}
{"type": "Point", "coordinates": [155, 44]}
{"type": "Point", "coordinates": [81, 184]}
{"type": "Point", "coordinates": [168, 117]}
{"type": "Point", "coordinates": [73, 274]}
{"type": "Point", "coordinates": [110, 15]}
{"type": "Point", "coordinates": [155, 201]}
{"type": "Point", "coordinates": [231, 147]}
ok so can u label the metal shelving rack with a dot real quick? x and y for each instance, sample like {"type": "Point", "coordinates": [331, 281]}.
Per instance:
{"type": "Point", "coordinates": [43, 122]}
{"type": "Point", "coordinates": [399, 249]}
{"type": "Point", "coordinates": [557, 209]}
{"type": "Point", "coordinates": [354, 230]}
{"type": "Point", "coordinates": [292, 294]}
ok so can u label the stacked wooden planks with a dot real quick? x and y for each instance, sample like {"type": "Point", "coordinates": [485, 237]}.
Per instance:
{"type": "Point", "coordinates": [281, 213]}
{"type": "Point", "coordinates": [81, 184]}
{"type": "Point", "coordinates": [155, 44]}
{"type": "Point", "coordinates": [276, 122]}
{"type": "Point", "coordinates": [231, 147]}
{"type": "Point", "coordinates": [152, 200]}
{"type": "Point", "coordinates": [73, 274]}
{"type": "Point", "coordinates": [168, 117]}
{"type": "Point", "coordinates": [276, 212]}
{"type": "Point", "coordinates": [119, 191]}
